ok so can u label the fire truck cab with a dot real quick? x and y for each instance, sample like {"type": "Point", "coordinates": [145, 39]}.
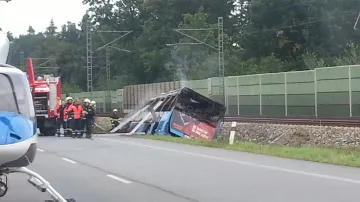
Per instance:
{"type": "Point", "coordinates": [46, 92]}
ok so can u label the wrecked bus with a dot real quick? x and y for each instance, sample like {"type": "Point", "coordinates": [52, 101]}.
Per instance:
{"type": "Point", "coordinates": [182, 113]}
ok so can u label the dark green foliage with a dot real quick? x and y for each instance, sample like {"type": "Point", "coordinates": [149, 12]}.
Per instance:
{"type": "Point", "coordinates": [260, 36]}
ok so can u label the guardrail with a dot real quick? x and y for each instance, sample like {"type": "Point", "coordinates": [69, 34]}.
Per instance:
{"type": "Point", "coordinates": [331, 121]}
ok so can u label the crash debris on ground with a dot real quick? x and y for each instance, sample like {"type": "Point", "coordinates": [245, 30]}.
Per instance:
{"type": "Point", "coordinates": [181, 113]}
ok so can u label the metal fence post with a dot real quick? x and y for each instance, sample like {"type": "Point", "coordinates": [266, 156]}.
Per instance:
{"type": "Point", "coordinates": [122, 99]}
{"type": "Point", "coordinates": [285, 93]}
{"type": "Point", "coordinates": [315, 92]}
{"type": "Point", "coordinates": [350, 92]}
{"type": "Point", "coordinates": [104, 101]}
{"type": "Point", "coordinates": [226, 97]}
{"type": "Point", "coordinates": [260, 94]}
{"type": "Point", "coordinates": [238, 95]}
{"type": "Point", "coordinates": [209, 88]}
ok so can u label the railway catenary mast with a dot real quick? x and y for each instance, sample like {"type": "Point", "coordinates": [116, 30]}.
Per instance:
{"type": "Point", "coordinates": [22, 61]}
{"type": "Point", "coordinates": [89, 53]}
{"type": "Point", "coordinates": [107, 46]}
{"type": "Point", "coordinates": [219, 48]}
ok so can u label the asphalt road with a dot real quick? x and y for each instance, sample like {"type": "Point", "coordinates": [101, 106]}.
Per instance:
{"type": "Point", "coordinates": [125, 169]}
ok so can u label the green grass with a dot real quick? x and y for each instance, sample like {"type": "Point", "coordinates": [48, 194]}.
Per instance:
{"type": "Point", "coordinates": [337, 156]}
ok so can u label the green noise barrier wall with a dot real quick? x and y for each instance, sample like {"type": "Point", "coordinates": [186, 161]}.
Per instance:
{"type": "Point", "coordinates": [323, 92]}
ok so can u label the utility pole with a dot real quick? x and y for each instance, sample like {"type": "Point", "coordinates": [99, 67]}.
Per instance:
{"type": "Point", "coordinates": [107, 68]}
{"type": "Point", "coordinates": [22, 61]}
{"type": "Point", "coordinates": [108, 46]}
{"type": "Point", "coordinates": [220, 49]}
{"type": "Point", "coordinates": [108, 91]}
{"type": "Point", "coordinates": [221, 59]}
{"type": "Point", "coordinates": [89, 58]}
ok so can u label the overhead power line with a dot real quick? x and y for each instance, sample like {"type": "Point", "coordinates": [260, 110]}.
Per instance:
{"type": "Point", "coordinates": [298, 24]}
{"type": "Point", "coordinates": [356, 22]}
{"type": "Point", "coordinates": [288, 6]}
{"type": "Point", "coordinates": [308, 2]}
{"type": "Point", "coordinates": [219, 48]}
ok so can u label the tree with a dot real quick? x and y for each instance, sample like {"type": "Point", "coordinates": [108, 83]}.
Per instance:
{"type": "Point", "coordinates": [289, 29]}
{"type": "Point", "coordinates": [195, 61]}
{"type": "Point", "coordinates": [10, 36]}
{"type": "Point", "coordinates": [260, 36]}
{"type": "Point", "coordinates": [51, 29]}
{"type": "Point", "coordinates": [31, 30]}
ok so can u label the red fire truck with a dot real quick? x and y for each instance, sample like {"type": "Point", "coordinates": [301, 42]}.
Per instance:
{"type": "Point", "coordinates": [47, 95]}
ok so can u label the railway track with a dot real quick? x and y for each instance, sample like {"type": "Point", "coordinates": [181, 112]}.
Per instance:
{"type": "Point", "coordinates": [344, 122]}
{"type": "Point", "coordinates": [316, 121]}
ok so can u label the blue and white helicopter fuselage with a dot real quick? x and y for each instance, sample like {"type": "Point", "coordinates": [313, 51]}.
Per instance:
{"type": "Point", "coordinates": [18, 137]}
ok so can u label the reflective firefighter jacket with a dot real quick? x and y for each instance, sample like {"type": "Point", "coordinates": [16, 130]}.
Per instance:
{"type": "Point", "coordinates": [78, 111]}
{"type": "Point", "coordinates": [69, 111]}
{"type": "Point", "coordinates": [114, 118]}
{"type": "Point", "coordinates": [59, 112]}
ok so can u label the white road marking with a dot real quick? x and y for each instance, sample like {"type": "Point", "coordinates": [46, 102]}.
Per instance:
{"type": "Point", "coordinates": [119, 179]}
{"type": "Point", "coordinates": [40, 150]}
{"type": "Point", "coordinates": [68, 160]}
{"type": "Point", "coordinates": [106, 135]}
{"type": "Point", "coordinates": [240, 162]}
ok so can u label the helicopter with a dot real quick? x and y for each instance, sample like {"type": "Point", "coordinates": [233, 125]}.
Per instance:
{"type": "Point", "coordinates": [18, 134]}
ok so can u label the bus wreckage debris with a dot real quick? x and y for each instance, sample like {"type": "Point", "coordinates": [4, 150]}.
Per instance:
{"type": "Point", "coordinates": [180, 113]}
{"type": "Point", "coordinates": [34, 179]}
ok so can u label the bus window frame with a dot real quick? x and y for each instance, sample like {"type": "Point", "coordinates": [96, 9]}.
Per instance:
{"type": "Point", "coordinates": [182, 108]}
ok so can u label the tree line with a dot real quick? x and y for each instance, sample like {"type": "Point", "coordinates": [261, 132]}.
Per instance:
{"type": "Point", "coordinates": [260, 36]}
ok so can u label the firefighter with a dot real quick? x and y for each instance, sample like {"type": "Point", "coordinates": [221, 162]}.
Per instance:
{"type": "Point", "coordinates": [59, 113]}
{"type": "Point", "coordinates": [89, 112]}
{"type": "Point", "coordinates": [69, 116]}
{"type": "Point", "coordinates": [93, 104]}
{"type": "Point", "coordinates": [114, 119]}
{"type": "Point", "coordinates": [86, 103]}
{"type": "Point", "coordinates": [78, 113]}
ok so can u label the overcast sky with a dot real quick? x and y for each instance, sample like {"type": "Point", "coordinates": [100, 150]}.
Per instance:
{"type": "Point", "coordinates": [17, 15]}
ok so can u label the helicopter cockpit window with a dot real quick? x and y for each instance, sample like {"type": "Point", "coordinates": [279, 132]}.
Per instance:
{"type": "Point", "coordinates": [23, 95]}
{"type": "Point", "coordinates": [8, 102]}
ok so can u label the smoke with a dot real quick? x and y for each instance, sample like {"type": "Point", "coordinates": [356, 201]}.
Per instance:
{"type": "Point", "coordinates": [184, 66]}
{"type": "Point", "coordinates": [209, 66]}
{"type": "Point", "coordinates": [178, 66]}
{"type": "Point", "coordinates": [193, 64]}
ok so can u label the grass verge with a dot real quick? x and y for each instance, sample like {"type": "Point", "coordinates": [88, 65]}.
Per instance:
{"type": "Point", "coordinates": [337, 156]}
